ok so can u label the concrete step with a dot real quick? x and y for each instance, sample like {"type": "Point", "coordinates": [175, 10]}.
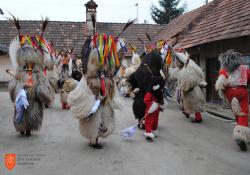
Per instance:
{"type": "Point", "coordinates": [220, 111]}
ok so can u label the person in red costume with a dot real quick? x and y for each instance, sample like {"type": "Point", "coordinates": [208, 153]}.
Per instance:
{"type": "Point", "coordinates": [153, 99]}
{"type": "Point", "coordinates": [232, 84]}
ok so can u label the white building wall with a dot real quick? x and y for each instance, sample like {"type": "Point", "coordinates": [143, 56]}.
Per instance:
{"type": "Point", "coordinates": [5, 63]}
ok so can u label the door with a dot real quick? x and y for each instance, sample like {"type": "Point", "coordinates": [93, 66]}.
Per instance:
{"type": "Point", "coordinates": [212, 73]}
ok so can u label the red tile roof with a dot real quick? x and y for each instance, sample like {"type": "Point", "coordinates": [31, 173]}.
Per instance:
{"type": "Point", "coordinates": [180, 23]}
{"type": "Point", "coordinates": [71, 34]}
{"type": "Point", "coordinates": [227, 19]}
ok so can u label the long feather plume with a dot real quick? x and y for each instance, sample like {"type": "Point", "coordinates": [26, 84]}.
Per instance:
{"type": "Point", "coordinates": [72, 49]}
{"type": "Point", "coordinates": [132, 47]}
{"type": "Point", "coordinates": [16, 22]}
{"type": "Point", "coordinates": [126, 26]}
{"type": "Point", "coordinates": [93, 18]}
{"type": "Point", "coordinates": [140, 40]}
{"type": "Point", "coordinates": [45, 23]}
{"type": "Point", "coordinates": [148, 36]}
{"type": "Point", "coordinates": [85, 54]}
{"type": "Point", "coordinates": [65, 47]}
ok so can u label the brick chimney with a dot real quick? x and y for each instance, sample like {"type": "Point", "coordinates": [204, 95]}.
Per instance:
{"type": "Point", "coordinates": [90, 10]}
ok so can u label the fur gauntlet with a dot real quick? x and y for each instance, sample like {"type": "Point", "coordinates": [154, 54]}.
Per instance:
{"type": "Point", "coordinates": [156, 87]}
{"type": "Point", "coordinates": [221, 83]}
{"type": "Point", "coordinates": [203, 84]}
{"type": "Point", "coordinates": [136, 90]}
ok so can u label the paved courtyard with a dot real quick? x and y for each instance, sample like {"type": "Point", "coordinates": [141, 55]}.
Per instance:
{"type": "Point", "coordinates": [183, 148]}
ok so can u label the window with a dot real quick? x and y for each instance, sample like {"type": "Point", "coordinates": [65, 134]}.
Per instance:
{"type": "Point", "coordinates": [246, 60]}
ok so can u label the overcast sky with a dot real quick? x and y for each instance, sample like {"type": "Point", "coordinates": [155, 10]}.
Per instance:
{"type": "Point", "coordinates": [74, 10]}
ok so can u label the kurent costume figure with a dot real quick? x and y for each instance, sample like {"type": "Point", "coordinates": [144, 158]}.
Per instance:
{"type": "Point", "coordinates": [76, 69]}
{"type": "Point", "coordinates": [66, 64]}
{"type": "Point", "coordinates": [29, 90]}
{"type": "Point", "coordinates": [190, 81]}
{"type": "Point", "coordinates": [66, 85]}
{"type": "Point", "coordinates": [125, 86]}
{"type": "Point", "coordinates": [232, 84]}
{"type": "Point", "coordinates": [140, 79]}
{"type": "Point", "coordinates": [50, 73]}
{"type": "Point", "coordinates": [93, 101]}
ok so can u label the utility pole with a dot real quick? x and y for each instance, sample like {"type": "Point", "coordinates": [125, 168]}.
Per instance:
{"type": "Point", "coordinates": [137, 20]}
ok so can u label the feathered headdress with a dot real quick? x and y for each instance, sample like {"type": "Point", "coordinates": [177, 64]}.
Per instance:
{"type": "Point", "coordinates": [108, 47]}
{"type": "Point", "coordinates": [93, 18]}
{"type": "Point", "coordinates": [85, 54]}
{"type": "Point", "coordinates": [34, 41]}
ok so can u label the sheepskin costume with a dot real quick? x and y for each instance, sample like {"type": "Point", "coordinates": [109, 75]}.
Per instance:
{"type": "Point", "coordinates": [52, 77]}
{"type": "Point", "coordinates": [125, 86]}
{"type": "Point", "coordinates": [83, 98]}
{"type": "Point", "coordinates": [66, 86]}
{"type": "Point", "coordinates": [190, 81]}
{"type": "Point", "coordinates": [232, 85]}
{"type": "Point", "coordinates": [30, 89]}
{"type": "Point", "coordinates": [135, 63]}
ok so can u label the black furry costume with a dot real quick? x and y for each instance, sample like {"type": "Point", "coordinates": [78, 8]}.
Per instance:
{"type": "Point", "coordinates": [158, 93]}
{"type": "Point", "coordinates": [148, 72]}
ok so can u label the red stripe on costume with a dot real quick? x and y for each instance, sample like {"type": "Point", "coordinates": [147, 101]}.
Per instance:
{"type": "Point", "coordinates": [223, 72]}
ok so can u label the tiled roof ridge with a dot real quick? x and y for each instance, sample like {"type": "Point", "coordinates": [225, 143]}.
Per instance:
{"type": "Point", "coordinates": [133, 23]}
{"type": "Point", "coordinates": [146, 24]}
{"type": "Point", "coordinates": [41, 21]}
{"type": "Point", "coordinates": [198, 19]}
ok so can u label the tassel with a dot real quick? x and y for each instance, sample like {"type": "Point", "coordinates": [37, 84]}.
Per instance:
{"type": "Point", "coordinates": [29, 40]}
{"type": "Point", "coordinates": [106, 49]}
{"type": "Point", "coordinates": [109, 53]}
{"type": "Point", "coordinates": [45, 71]}
{"type": "Point", "coordinates": [160, 44]}
{"type": "Point", "coordinates": [169, 57]}
{"type": "Point", "coordinates": [22, 39]}
{"type": "Point", "coordinates": [117, 61]}
{"type": "Point", "coordinates": [101, 49]}
{"type": "Point", "coordinates": [95, 40]}
{"type": "Point", "coordinates": [103, 87]}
